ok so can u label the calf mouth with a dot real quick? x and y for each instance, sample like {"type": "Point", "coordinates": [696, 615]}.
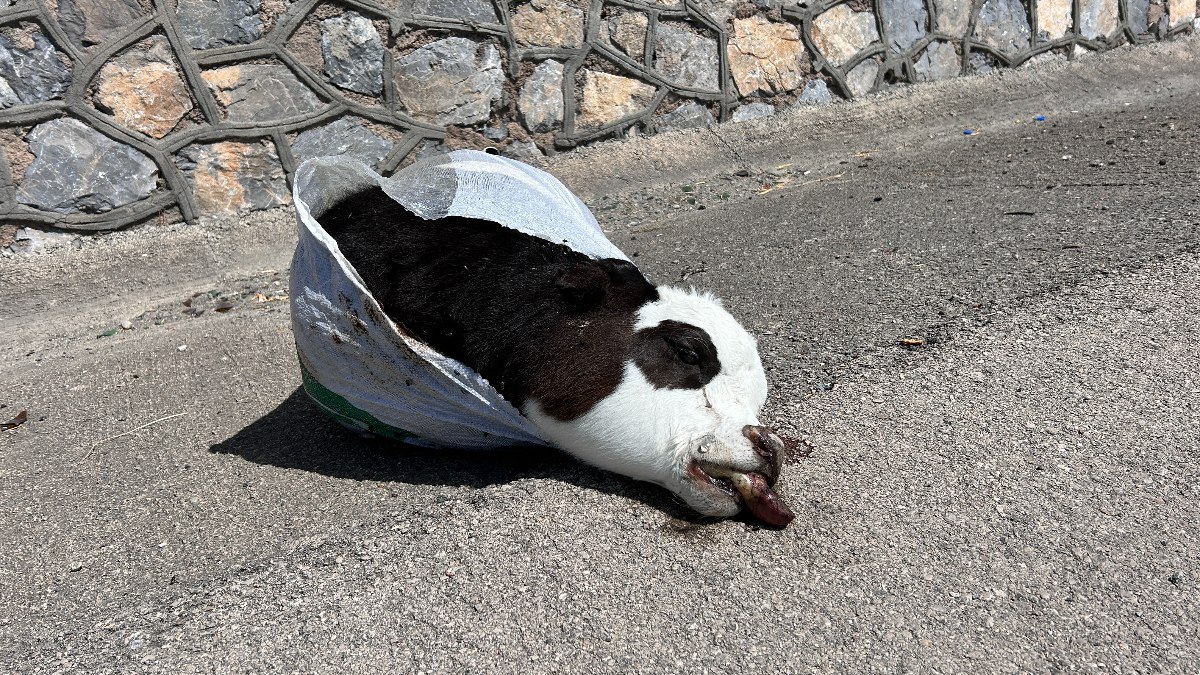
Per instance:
{"type": "Point", "coordinates": [750, 489]}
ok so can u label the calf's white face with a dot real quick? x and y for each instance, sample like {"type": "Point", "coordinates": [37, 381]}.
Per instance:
{"type": "Point", "coordinates": [685, 414]}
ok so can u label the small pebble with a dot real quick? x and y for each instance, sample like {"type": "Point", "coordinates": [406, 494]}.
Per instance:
{"type": "Point", "coordinates": [182, 348]}
{"type": "Point", "coordinates": [127, 325]}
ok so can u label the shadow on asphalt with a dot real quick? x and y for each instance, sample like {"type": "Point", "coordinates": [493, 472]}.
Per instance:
{"type": "Point", "coordinates": [296, 435]}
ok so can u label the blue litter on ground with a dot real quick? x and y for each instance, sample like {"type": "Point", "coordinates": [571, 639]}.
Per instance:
{"type": "Point", "coordinates": [1040, 118]}
{"type": "Point", "coordinates": [968, 132]}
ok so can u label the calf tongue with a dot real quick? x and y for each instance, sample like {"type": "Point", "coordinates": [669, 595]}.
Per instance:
{"type": "Point", "coordinates": [762, 501]}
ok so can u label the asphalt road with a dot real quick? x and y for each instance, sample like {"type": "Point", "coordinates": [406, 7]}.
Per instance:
{"type": "Point", "coordinates": [1016, 489]}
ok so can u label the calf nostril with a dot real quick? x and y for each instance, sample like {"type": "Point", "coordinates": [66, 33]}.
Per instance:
{"type": "Point", "coordinates": [761, 438]}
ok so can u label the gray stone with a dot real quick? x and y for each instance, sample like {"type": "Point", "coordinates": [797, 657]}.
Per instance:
{"type": "Point", "coordinates": [816, 92]}
{"type": "Point", "coordinates": [429, 148]}
{"type": "Point", "coordinates": [981, 62]}
{"type": "Point", "coordinates": [1139, 15]}
{"type": "Point", "coordinates": [690, 115]}
{"type": "Point", "coordinates": [78, 170]}
{"type": "Point", "coordinates": [232, 177]}
{"type": "Point", "coordinates": [90, 22]}
{"type": "Point", "coordinates": [346, 137]}
{"type": "Point", "coordinates": [1003, 26]}
{"type": "Point", "coordinates": [685, 58]}
{"type": "Point", "coordinates": [939, 61]}
{"type": "Point", "coordinates": [33, 241]}
{"type": "Point", "coordinates": [904, 21]}
{"type": "Point", "coordinates": [451, 81]}
{"type": "Point", "coordinates": [480, 11]}
{"type": "Point", "coordinates": [353, 53]}
{"type": "Point", "coordinates": [207, 24]}
{"type": "Point", "coordinates": [260, 92]}
{"type": "Point", "coordinates": [861, 80]}
{"type": "Point", "coordinates": [541, 100]}
{"type": "Point", "coordinates": [498, 133]}
{"type": "Point", "coordinates": [523, 151]}
{"type": "Point", "coordinates": [32, 74]}
{"type": "Point", "coordinates": [1099, 18]}
{"type": "Point", "coordinates": [721, 11]}
{"type": "Point", "coordinates": [753, 111]}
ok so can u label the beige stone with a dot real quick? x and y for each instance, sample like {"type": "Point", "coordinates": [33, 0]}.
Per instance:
{"type": "Point", "coordinates": [150, 97]}
{"type": "Point", "coordinates": [628, 32]}
{"type": "Point", "coordinates": [953, 17]}
{"type": "Point", "coordinates": [1180, 12]}
{"type": "Point", "coordinates": [545, 23]}
{"type": "Point", "coordinates": [230, 177]}
{"type": "Point", "coordinates": [1054, 18]}
{"type": "Point", "coordinates": [840, 33]}
{"type": "Point", "coordinates": [607, 98]}
{"type": "Point", "coordinates": [766, 57]}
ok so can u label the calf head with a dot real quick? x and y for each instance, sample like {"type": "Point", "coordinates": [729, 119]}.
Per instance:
{"type": "Point", "coordinates": [683, 412]}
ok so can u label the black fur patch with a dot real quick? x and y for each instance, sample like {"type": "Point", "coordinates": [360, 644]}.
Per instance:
{"type": "Point", "coordinates": [536, 319]}
{"type": "Point", "coordinates": [676, 355]}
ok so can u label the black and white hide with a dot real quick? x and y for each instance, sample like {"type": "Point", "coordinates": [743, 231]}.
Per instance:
{"type": "Point", "coordinates": [657, 383]}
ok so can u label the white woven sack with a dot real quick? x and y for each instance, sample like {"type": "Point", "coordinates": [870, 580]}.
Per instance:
{"type": "Point", "coordinates": [356, 363]}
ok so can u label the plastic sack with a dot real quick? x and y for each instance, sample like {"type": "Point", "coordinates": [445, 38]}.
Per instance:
{"type": "Point", "coordinates": [355, 362]}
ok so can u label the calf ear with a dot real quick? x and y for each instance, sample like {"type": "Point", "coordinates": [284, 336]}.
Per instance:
{"type": "Point", "coordinates": [583, 284]}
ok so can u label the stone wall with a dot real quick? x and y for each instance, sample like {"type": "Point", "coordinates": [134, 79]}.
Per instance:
{"type": "Point", "coordinates": [118, 111]}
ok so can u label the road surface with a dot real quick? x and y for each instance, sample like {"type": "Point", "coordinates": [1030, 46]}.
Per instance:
{"type": "Point", "coordinates": [989, 341]}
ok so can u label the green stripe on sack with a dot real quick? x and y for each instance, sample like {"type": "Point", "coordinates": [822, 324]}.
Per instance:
{"type": "Point", "coordinates": [340, 409]}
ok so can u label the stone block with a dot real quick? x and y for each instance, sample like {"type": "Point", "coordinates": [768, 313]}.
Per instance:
{"type": "Point", "coordinates": [345, 136]}
{"type": "Point", "coordinates": [686, 58]}
{"type": "Point", "coordinates": [1054, 19]}
{"type": "Point", "coordinates": [766, 57]}
{"type": "Point", "coordinates": [1139, 15]}
{"type": "Point", "coordinates": [753, 111]}
{"type": "Point", "coordinates": [31, 73]}
{"type": "Point", "coordinates": [143, 90]}
{"type": "Point", "coordinates": [234, 177]}
{"type": "Point", "coordinates": [451, 81]}
{"type": "Point", "coordinates": [260, 92]}
{"type": "Point", "coordinates": [523, 151]}
{"type": "Point", "coordinates": [953, 17]}
{"type": "Point", "coordinates": [353, 53]}
{"type": "Point", "coordinates": [690, 115]}
{"type": "Point", "coordinates": [548, 23]}
{"type": "Point", "coordinates": [480, 11]}
{"type": "Point", "coordinates": [815, 92]}
{"type": "Point", "coordinates": [627, 31]}
{"type": "Point", "coordinates": [1003, 25]}
{"type": "Point", "coordinates": [939, 61]}
{"type": "Point", "coordinates": [1099, 18]}
{"type": "Point", "coordinates": [840, 33]}
{"type": "Point", "coordinates": [207, 24]}
{"type": "Point", "coordinates": [607, 98]}
{"type": "Point", "coordinates": [90, 22]}
{"type": "Point", "coordinates": [77, 169]}
{"type": "Point", "coordinates": [861, 79]}
{"type": "Point", "coordinates": [904, 22]}
{"type": "Point", "coordinates": [1180, 12]}
{"type": "Point", "coordinates": [540, 102]}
